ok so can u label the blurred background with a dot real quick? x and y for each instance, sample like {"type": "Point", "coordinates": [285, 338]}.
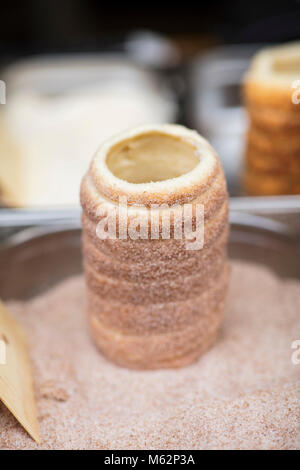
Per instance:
{"type": "Point", "coordinates": [79, 71]}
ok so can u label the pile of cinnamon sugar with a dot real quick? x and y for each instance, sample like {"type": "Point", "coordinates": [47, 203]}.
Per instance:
{"type": "Point", "coordinates": [242, 394]}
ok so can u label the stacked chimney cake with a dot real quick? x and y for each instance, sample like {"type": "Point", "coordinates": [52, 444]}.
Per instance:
{"type": "Point", "coordinates": [272, 98]}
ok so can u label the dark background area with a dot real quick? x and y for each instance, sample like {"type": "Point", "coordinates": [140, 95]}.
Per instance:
{"type": "Point", "coordinates": [63, 25]}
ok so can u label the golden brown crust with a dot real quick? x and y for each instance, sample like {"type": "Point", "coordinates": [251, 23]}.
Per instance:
{"type": "Point", "coordinates": [273, 120]}
{"type": "Point", "coordinates": [158, 317]}
{"type": "Point", "coordinates": [212, 196]}
{"type": "Point", "coordinates": [273, 143]}
{"type": "Point", "coordinates": [166, 350]}
{"type": "Point", "coordinates": [159, 290]}
{"type": "Point", "coordinates": [141, 250]}
{"type": "Point", "coordinates": [272, 162]}
{"type": "Point", "coordinates": [278, 143]}
{"type": "Point", "coordinates": [142, 271]}
{"type": "Point", "coordinates": [272, 80]}
{"type": "Point", "coordinates": [152, 302]}
{"type": "Point", "coordinates": [270, 184]}
{"type": "Point", "coordinates": [268, 95]}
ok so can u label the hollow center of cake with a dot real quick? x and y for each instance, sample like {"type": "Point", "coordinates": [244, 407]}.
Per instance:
{"type": "Point", "coordinates": [151, 157]}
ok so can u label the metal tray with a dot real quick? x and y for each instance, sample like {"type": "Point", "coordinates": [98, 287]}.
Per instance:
{"type": "Point", "coordinates": [35, 259]}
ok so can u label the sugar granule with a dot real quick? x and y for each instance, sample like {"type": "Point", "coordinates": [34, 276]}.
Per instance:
{"type": "Point", "coordinates": [244, 393]}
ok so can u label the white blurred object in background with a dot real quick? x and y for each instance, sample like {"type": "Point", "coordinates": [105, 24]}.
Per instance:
{"type": "Point", "coordinates": [59, 111]}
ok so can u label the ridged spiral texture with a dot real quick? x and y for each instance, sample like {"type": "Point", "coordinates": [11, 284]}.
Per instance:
{"type": "Point", "coordinates": [153, 303]}
{"type": "Point", "coordinates": [271, 95]}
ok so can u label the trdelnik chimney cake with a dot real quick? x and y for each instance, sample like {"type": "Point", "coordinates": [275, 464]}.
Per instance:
{"type": "Point", "coordinates": [155, 301]}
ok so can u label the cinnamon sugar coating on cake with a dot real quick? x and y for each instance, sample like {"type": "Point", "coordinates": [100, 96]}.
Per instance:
{"type": "Point", "coordinates": [152, 302]}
